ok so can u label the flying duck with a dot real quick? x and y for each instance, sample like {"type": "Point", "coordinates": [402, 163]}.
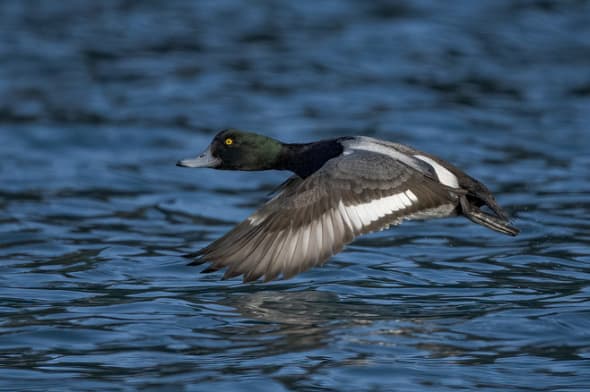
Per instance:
{"type": "Point", "coordinates": [342, 188]}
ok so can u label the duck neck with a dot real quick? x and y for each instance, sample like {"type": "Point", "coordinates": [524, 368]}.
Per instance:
{"type": "Point", "coordinates": [305, 159]}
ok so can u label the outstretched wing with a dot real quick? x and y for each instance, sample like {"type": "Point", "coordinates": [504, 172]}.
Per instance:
{"type": "Point", "coordinates": [313, 218]}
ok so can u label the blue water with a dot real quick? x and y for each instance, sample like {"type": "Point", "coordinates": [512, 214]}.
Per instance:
{"type": "Point", "coordinates": [99, 99]}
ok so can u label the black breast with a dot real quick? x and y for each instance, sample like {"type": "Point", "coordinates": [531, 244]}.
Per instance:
{"type": "Point", "coordinates": [306, 159]}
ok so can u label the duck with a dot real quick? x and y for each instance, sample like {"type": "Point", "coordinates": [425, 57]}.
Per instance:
{"type": "Point", "coordinates": [341, 188]}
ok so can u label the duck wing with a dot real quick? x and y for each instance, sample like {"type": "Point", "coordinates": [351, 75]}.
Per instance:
{"type": "Point", "coordinates": [313, 218]}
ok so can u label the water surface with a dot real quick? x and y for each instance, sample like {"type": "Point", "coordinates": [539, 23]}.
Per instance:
{"type": "Point", "coordinates": [98, 101]}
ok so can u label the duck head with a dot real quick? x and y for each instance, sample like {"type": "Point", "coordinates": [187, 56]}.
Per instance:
{"type": "Point", "coordinates": [232, 149]}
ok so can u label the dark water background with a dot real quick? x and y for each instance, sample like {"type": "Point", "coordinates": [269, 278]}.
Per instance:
{"type": "Point", "coordinates": [99, 99]}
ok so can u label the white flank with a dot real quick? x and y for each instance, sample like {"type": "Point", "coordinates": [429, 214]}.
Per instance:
{"type": "Point", "coordinates": [370, 144]}
{"type": "Point", "coordinates": [444, 175]}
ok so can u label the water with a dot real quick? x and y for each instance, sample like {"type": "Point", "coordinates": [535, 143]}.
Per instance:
{"type": "Point", "coordinates": [99, 99]}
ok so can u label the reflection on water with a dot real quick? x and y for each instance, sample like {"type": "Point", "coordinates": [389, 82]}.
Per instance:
{"type": "Point", "coordinates": [98, 101]}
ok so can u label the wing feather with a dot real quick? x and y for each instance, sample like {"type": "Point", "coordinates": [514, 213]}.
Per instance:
{"type": "Point", "coordinates": [311, 219]}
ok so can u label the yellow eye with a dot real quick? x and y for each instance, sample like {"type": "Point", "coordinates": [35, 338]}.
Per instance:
{"type": "Point", "coordinates": [229, 141]}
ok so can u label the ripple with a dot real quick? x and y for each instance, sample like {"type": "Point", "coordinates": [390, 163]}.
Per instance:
{"type": "Point", "coordinates": [103, 99]}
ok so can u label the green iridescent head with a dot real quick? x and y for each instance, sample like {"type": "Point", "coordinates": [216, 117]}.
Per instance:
{"type": "Point", "coordinates": [232, 149]}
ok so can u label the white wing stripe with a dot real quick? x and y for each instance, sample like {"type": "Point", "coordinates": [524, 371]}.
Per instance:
{"type": "Point", "coordinates": [346, 218]}
{"type": "Point", "coordinates": [317, 237]}
{"type": "Point", "coordinates": [411, 195]}
{"type": "Point", "coordinates": [364, 214]}
{"type": "Point", "coordinates": [406, 200]}
{"type": "Point", "coordinates": [328, 228]}
{"type": "Point", "coordinates": [354, 216]}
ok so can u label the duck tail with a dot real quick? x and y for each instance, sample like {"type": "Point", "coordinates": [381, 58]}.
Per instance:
{"type": "Point", "coordinates": [499, 223]}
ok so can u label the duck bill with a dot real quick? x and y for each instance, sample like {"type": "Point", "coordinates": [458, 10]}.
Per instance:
{"type": "Point", "coordinates": [205, 159]}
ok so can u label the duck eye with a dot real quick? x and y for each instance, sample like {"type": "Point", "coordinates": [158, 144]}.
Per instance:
{"type": "Point", "coordinates": [229, 141]}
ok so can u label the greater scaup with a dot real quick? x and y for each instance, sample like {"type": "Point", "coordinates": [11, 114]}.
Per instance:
{"type": "Point", "coordinates": [342, 188]}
